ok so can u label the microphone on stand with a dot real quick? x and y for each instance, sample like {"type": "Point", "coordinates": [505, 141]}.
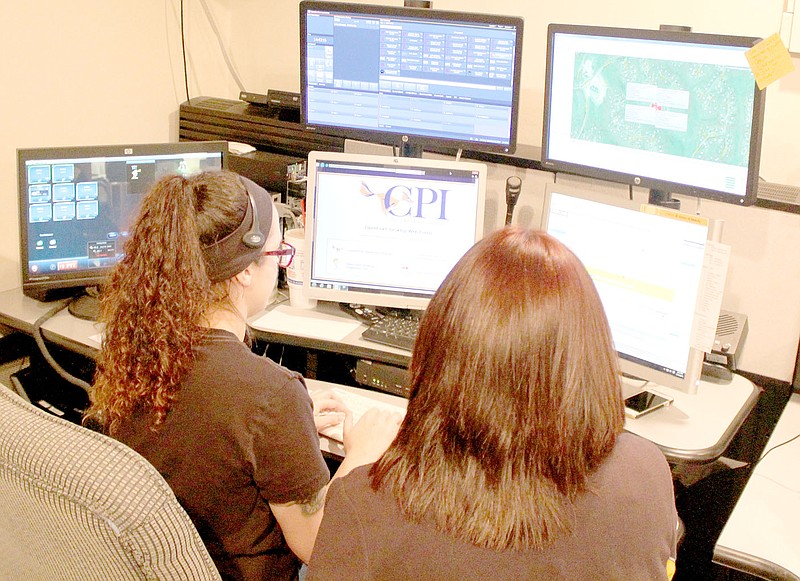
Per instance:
{"type": "Point", "coordinates": [513, 188]}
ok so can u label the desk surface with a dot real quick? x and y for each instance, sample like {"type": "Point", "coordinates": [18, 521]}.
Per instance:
{"type": "Point", "coordinates": [699, 427]}
{"type": "Point", "coordinates": [689, 430]}
{"type": "Point", "coordinates": [325, 327]}
{"type": "Point", "coordinates": [695, 428]}
{"type": "Point", "coordinates": [20, 312]}
{"type": "Point", "coordinates": [762, 535]}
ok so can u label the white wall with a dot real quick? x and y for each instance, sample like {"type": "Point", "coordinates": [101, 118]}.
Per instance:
{"type": "Point", "coordinates": [94, 71]}
{"type": "Point", "coordinates": [91, 72]}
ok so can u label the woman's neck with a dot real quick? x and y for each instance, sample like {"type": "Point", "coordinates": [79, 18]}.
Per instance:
{"type": "Point", "coordinates": [227, 320]}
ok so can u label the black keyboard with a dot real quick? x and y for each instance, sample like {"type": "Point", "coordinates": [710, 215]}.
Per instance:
{"type": "Point", "coordinates": [400, 332]}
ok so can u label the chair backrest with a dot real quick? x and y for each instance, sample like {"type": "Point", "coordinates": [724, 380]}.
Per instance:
{"type": "Point", "coordinates": [75, 504]}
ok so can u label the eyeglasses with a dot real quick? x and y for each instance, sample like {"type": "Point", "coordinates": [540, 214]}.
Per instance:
{"type": "Point", "coordinates": [284, 254]}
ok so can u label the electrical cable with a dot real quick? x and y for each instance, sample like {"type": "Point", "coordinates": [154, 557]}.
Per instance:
{"type": "Point", "coordinates": [764, 455]}
{"type": "Point", "coordinates": [225, 56]}
{"type": "Point", "coordinates": [39, 338]}
{"type": "Point", "coordinates": [183, 49]}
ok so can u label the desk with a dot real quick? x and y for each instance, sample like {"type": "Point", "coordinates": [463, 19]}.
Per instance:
{"type": "Point", "coordinates": [695, 428]}
{"type": "Point", "coordinates": [19, 312]}
{"type": "Point", "coordinates": [673, 430]}
{"type": "Point", "coordinates": [325, 327]}
{"type": "Point", "coordinates": [762, 535]}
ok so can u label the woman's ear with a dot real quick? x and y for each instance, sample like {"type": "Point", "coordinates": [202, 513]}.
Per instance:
{"type": "Point", "coordinates": [245, 278]}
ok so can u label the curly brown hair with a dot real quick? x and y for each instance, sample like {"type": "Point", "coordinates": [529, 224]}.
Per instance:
{"type": "Point", "coordinates": [155, 300]}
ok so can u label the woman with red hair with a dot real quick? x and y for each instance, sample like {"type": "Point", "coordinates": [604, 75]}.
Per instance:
{"type": "Point", "coordinates": [511, 462]}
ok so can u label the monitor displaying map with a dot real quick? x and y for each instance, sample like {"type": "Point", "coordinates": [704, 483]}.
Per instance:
{"type": "Point", "coordinates": [672, 111]}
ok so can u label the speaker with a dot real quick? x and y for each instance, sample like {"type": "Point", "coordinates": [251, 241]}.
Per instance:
{"type": "Point", "coordinates": [778, 197]}
{"type": "Point", "coordinates": [731, 333]}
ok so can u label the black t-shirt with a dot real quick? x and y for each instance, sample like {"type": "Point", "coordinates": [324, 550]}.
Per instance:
{"type": "Point", "coordinates": [240, 435]}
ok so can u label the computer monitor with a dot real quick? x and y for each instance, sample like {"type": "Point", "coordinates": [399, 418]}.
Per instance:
{"type": "Point", "coordinates": [676, 112]}
{"type": "Point", "coordinates": [385, 231]}
{"type": "Point", "coordinates": [647, 269]}
{"type": "Point", "coordinates": [410, 77]}
{"type": "Point", "coordinates": [76, 206]}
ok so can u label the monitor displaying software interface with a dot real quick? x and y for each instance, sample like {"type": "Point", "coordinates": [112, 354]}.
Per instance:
{"type": "Point", "coordinates": [647, 269]}
{"type": "Point", "coordinates": [385, 231]}
{"type": "Point", "coordinates": [378, 73]}
{"type": "Point", "coordinates": [78, 203]}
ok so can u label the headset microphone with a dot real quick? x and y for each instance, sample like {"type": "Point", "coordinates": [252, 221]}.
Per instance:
{"type": "Point", "coordinates": [513, 189]}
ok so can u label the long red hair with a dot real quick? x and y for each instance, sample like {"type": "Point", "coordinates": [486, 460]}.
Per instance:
{"type": "Point", "coordinates": [515, 398]}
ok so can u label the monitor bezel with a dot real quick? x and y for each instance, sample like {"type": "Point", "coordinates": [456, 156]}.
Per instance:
{"type": "Point", "coordinates": [695, 357]}
{"type": "Point", "coordinates": [653, 183]}
{"type": "Point", "coordinates": [398, 139]}
{"type": "Point", "coordinates": [70, 283]}
{"type": "Point", "coordinates": [377, 299]}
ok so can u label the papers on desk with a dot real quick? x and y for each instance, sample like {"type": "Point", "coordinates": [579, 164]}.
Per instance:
{"type": "Point", "coordinates": [306, 323]}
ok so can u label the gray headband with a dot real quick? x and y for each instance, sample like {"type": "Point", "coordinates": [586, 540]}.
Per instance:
{"type": "Point", "coordinates": [231, 254]}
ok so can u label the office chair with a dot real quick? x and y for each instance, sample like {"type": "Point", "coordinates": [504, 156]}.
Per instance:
{"type": "Point", "coordinates": [78, 505]}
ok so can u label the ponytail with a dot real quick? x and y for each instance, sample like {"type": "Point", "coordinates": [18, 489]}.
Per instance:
{"type": "Point", "coordinates": [157, 295]}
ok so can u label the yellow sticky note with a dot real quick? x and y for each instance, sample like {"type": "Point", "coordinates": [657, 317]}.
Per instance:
{"type": "Point", "coordinates": [674, 214]}
{"type": "Point", "coordinates": [769, 60]}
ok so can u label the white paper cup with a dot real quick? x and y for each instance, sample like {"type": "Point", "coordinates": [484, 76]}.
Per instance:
{"type": "Point", "coordinates": [295, 273]}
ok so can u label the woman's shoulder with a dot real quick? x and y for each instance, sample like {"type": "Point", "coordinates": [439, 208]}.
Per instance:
{"type": "Point", "coordinates": [636, 458]}
{"type": "Point", "coordinates": [632, 446]}
{"type": "Point", "coordinates": [219, 343]}
{"type": "Point", "coordinates": [355, 482]}
{"type": "Point", "coordinates": [223, 356]}
{"type": "Point", "coordinates": [354, 488]}
{"type": "Point", "coordinates": [352, 497]}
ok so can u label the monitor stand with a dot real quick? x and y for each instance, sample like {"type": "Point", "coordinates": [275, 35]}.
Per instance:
{"type": "Point", "coordinates": [370, 315]}
{"type": "Point", "coordinates": [664, 199]}
{"type": "Point", "coordinates": [362, 313]}
{"type": "Point", "coordinates": [86, 305]}
{"type": "Point", "coordinates": [716, 373]}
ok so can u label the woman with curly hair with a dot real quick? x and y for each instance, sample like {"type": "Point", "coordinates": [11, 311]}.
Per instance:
{"type": "Point", "coordinates": [511, 462]}
{"type": "Point", "coordinates": [233, 433]}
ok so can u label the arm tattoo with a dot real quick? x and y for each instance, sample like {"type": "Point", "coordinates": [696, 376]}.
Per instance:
{"type": "Point", "coordinates": [314, 504]}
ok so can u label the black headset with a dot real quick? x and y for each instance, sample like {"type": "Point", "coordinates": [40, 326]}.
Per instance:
{"type": "Point", "coordinates": [253, 238]}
